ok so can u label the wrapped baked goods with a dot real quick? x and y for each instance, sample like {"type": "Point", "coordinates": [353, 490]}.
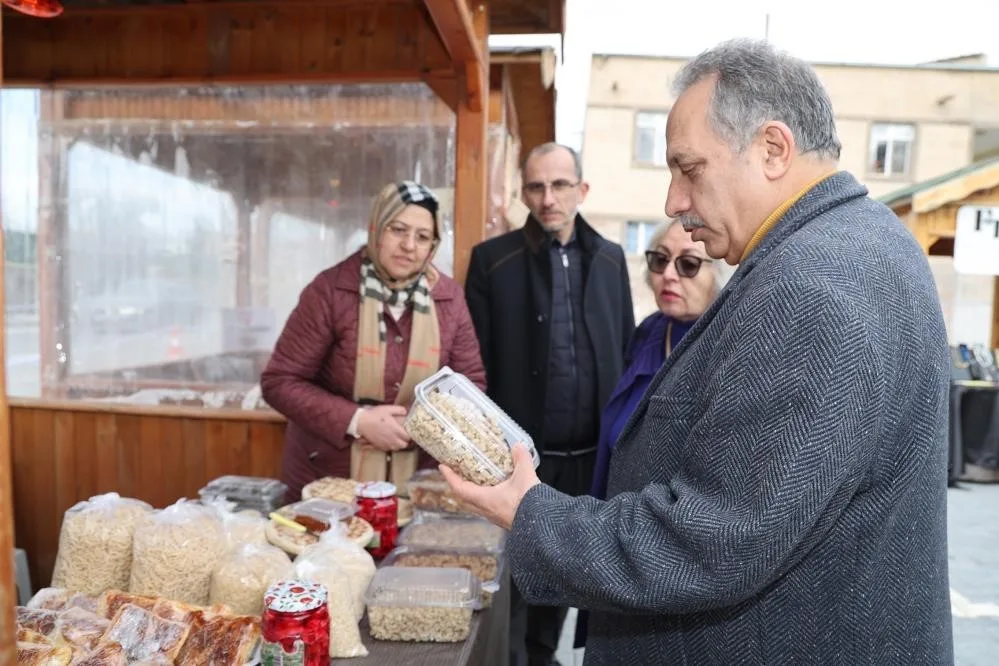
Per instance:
{"type": "Point", "coordinates": [243, 576]}
{"type": "Point", "coordinates": [335, 563]}
{"type": "Point", "coordinates": [460, 426]}
{"type": "Point", "coordinates": [246, 492]}
{"type": "Point", "coordinates": [95, 544]}
{"type": "Point", "coordinates": [175, 552]}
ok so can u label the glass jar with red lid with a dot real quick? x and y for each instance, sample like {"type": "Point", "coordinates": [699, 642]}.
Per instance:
{"type": "Point", "coordinates": [378, 504]}
{"type": "Point", "coordinates": [295, 627]}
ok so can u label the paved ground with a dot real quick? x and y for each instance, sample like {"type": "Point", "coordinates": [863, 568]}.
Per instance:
{"type": "Point", "coordinates": [974, 577]}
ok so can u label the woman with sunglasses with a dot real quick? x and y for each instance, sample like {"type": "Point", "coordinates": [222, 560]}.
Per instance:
{"type": "Point", "coordinates": [685, 282]}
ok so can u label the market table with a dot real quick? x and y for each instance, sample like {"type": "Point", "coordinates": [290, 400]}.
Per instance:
{"type": "Point", "coordinates": [487, 645]}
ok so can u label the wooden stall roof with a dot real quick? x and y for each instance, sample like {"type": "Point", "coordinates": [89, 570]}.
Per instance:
{"type": "Point", "coordinates": [531, 74]}
{"type": "Point", "coordinates": [947, 188]}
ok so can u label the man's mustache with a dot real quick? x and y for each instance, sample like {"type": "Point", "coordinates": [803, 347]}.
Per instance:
{"type": "Point", "coordinates": [691, 222]}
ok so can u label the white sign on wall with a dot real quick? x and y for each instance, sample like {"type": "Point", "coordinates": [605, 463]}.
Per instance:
{"type": "Point", "coordinates": [976, 240]}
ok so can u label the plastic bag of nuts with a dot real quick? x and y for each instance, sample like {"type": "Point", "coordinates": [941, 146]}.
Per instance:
{"type": "Point", "coordinates": [460, 426]}
{"type": "Point", "coordinates": [423, 605]}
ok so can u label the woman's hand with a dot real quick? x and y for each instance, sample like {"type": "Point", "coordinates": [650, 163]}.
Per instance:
{"type": "Point", "coordinates": [381, 427]}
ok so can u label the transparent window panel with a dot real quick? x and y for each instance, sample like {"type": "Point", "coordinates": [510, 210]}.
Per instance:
{"type": "Point", "coordinates": [160, 237]}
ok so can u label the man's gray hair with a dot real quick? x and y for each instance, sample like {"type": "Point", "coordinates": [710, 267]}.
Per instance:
{"type": "Point", "coordinates": [757, 83]}
{"type": "Point", "coordinates": [722, 271]}
{"type": "Point", "coordinates": [551, 147]}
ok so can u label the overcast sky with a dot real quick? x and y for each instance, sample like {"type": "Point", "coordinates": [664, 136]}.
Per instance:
{"type": "Point", "coordinates": [870, 31]}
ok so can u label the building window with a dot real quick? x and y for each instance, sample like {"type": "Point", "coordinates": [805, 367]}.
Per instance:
{"type": "Point", "coordinates": [891, 149]}
{"type": "Point", "coordinates": [650, 138]}
{"type": "Point", "coordinates": [637, 236]}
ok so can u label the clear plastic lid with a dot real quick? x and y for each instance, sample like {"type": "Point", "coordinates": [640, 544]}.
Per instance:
{"type": "Point", "coordinates": [483, 563]}
{"type": "Point", "coordinates": [460, 426]}
{"type": "Point", "coordinates": [325, 511]}
{"type": "Point", "coordinates": [457, 533]}
{"type": "Point", "coordinates": [422, 587]}
{"type": "Point", "coordinates": [244, 488]}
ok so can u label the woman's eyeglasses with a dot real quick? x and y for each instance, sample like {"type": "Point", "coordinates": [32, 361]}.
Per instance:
{"type": "Point", "coordinates": [687, 266]}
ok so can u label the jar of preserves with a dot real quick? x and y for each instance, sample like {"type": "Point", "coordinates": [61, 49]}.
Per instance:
{"type": "Point", "coordinates": [378, 504]}
{"type": "Point", "coordinates": [295, 628]}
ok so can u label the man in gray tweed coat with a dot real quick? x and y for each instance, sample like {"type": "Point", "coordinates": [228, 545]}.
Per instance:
{"type": "Point", "coordinates": [779, 495]}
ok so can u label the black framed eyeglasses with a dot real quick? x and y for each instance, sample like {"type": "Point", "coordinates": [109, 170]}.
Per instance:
{"type": "Point", "coordinates": [559, 187]}
{"type": "Point", "coordinates": [687, 266]}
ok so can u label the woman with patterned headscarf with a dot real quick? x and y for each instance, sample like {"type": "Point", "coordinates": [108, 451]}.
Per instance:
{"type": "Point", "coordinates": [364, 333]}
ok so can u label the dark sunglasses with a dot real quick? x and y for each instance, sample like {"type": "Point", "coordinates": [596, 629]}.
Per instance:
{"type": "Point", "coordinates": [687, 266]}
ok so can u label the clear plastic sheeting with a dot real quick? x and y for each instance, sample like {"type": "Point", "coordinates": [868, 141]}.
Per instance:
{"type": "Point", "coordinates": [157, 239]}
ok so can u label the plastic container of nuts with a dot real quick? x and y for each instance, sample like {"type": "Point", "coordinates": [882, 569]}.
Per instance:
{"type": "Point", "coordinates": [461, 427]}
{"type": "Point", "coordinates": [453, 533]}
{"type": "Point", "coordinates": [483, 563]}
{"type": "Point", "coordinates": [425, 605]}
{"type": "Point", "coordinates": [428, 491]}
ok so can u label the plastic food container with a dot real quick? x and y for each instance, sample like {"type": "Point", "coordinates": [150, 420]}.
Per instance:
{"type": "Point", "coordinates": [247, 492]}
{"type": "Point", "coordinates": [318, 514]}
{"type": "Point", "coordinates": [459, 426]}
{"type": "Point", "coordinates": [482, 563]}
{"type": "Point", "coordinates": [428, 491]}
{"type": "Point", "coordinates": [454, 534]}
{"type": "Point", "coordinates": [421, 604]}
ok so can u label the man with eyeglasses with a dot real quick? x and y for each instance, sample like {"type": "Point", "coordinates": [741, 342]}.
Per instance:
{"type": "Point", "coordinates": [779, 495]}
{"type": "Point", "coordinates": [551, 303]}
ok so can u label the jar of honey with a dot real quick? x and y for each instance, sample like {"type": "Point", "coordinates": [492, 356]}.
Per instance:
{"type": "Point", "coordinates": [295, 627]}
{"type": "Point", "coordinates": [378, 504]}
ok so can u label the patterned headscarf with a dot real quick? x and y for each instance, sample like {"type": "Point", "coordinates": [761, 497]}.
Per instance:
{"type": "Point", "coordinates": [379, 290]}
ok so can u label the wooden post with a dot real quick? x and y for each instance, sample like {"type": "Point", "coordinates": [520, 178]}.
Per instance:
{"type": "Point", "coordinates": [471, 153]}
{"type": "Point", "coordinates": [8, 592]}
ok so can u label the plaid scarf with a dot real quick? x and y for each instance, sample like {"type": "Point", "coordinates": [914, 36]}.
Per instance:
{"type": "Point", "coordinates": [379, 290]}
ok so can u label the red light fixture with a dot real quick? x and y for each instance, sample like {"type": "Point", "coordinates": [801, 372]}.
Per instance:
{"type": "Point", "coordinates": [39, 8]}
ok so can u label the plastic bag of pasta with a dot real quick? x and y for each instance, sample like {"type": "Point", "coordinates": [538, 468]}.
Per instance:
{"type": "Point", "coordinates": [243, 576]}
{"type": "Point", "coordinates": [175, 552]}
{"type": "Point", "coordinates": [95, 544]}
{"type": "Point", "coordinates": [318, 563]}
{"type": "Point", "coordinates": [357, 564]}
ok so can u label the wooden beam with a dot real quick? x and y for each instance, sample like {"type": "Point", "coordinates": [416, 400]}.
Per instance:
{"type": "Point", "coordinates": [8, 591]}
{"type": "Point", "coordinates": [245, 43]}
{"type": "Point", "coordinates": [956, 189]}
{"type": "Point", "coordinates": [453, 20]}
{"type": "Point", "coordinates": [445, 86]}
{"type": "Point", "coordinates": [471, 163]}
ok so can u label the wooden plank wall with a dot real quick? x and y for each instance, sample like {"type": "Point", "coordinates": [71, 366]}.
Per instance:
{"type": "Point", "coordinates": [324, 40]}
{"type": "Point", "coordinates": [64, 453]}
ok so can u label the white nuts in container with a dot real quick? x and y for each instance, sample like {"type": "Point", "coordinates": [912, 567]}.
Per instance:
{"type": "Point", "coordinates": [460, 427]}
{"type": "Point", "coordinates": [424, 605]}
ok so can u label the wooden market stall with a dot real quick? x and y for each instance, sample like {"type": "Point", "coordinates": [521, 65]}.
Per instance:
{"type": "Point", "coordinates": [929, 210]}
{"type": "Point", "coordinates": [120, 62]}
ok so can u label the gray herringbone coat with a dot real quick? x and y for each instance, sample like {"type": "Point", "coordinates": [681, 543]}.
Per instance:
{"type": "Point", "coordinates": [779, 496]}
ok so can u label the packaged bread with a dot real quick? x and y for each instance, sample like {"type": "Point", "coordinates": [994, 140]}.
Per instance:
{"type": "Point", "coordinates": [95, 544]}
{"type": "Point", "coordinates": [243, 576]}
{"type": "Point", "coordinates": [175, 551]}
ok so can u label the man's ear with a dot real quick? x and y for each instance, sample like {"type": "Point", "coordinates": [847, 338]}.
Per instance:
{"type": "Point", "coordinates": [778, 149]}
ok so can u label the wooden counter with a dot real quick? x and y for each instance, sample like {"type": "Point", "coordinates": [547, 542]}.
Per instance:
{"type": "Point", "coordinates": [64, 452]}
